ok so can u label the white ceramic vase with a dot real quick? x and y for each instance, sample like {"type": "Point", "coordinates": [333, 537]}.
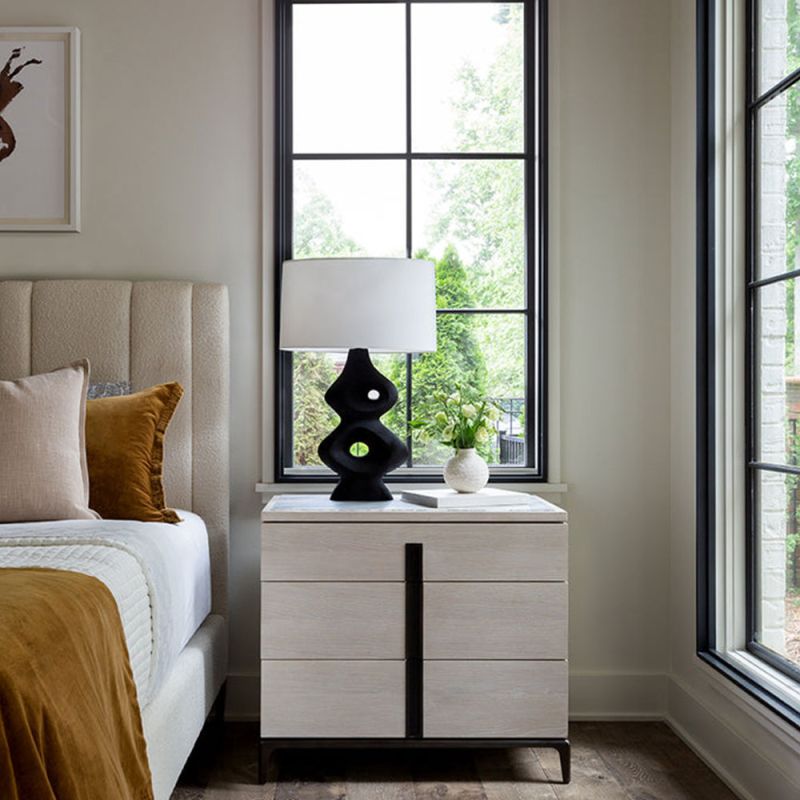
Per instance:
{"type": "Point", "coordinates": [466, 471]}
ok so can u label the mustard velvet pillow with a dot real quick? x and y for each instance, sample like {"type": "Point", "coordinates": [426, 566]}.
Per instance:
{"type": "Point", "coordinates": [125, 453]}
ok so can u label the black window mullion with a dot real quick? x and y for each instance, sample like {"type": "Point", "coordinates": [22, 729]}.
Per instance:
{"type": "Point", "coordinates": [754, 466]}
{"type": "Point", "coordinates": [409, 229]}
{"type": "Point", "coordinates": [459, 155]}
{"type": "Point", "coordinates": [751, 322]}
{"type": "Point", "coordinates": [783, 276]}
{"type": "Point", "coordinates": [284, 451]}
{"type": "Point", "coordinates": [779, 88]}
{"type": "Point", "coordinates": [535, 121]}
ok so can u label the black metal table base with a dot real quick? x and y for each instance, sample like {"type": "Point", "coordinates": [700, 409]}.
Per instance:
{"type": "Point", "coordinates": [268, 746]}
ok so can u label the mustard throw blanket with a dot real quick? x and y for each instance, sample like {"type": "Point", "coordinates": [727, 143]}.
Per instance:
{"type": "Point", "coordinates": [70, 726]}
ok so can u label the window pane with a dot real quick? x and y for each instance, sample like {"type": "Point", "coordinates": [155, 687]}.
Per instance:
{"type": "Point", "coordinates": [345, 208]}
{"type": "Point", "coordinates": [778, 190]}
{"type": "Point", "coordinates": [779, 41]}
{"type": "Point", "coordinates": [313, 419]}
{"type": "Point", "coordinates": [349, 78]}
{"type": "Point", "coordinates": [470, 217]}
{"type": "Point", "coordinates": [778, 554]}
{"type": "Point", "coordinates": [467, 77]}
{"type": "Point", "coordinates": [484, 354]}
{"type": "Point", "coordinates": [778, 373]}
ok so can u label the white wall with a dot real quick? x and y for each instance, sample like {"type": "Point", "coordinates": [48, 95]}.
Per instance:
{"type": "Point", "coordinates": [171, 190]}
{"type": "Point", "coordinates": [171, 154]}
{"type": "Point", "coordinates": [751, 748]}
{"type": "Point", "coordinates": [611, 148]}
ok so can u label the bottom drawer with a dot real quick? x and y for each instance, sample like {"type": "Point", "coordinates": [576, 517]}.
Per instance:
{"type": "Point", "coordinates": [344, 699]}
{"type": "Point", "coordinates": [495, 699]}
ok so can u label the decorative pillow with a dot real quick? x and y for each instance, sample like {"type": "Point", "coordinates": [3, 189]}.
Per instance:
{"type": "Point", "coordinates": [108, 389]}
{"type": "Point", "coordinates": [43, 471]}
{"type": "Point", "coordinates": [125, 451]}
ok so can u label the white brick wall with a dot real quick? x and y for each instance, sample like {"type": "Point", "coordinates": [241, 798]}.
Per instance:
{"type": "Point", "coordinates": [772, 332]}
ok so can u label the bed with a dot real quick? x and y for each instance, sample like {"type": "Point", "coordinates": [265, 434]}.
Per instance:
{"type": "Point", "coordinates": [144, 333]}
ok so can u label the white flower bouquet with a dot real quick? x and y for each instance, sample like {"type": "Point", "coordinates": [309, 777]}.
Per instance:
{"type": "Point", "coordinates": [461, 422]}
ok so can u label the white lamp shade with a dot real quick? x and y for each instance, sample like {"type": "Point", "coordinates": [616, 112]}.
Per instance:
{"type": "Point", "coordinates": [387, 305]}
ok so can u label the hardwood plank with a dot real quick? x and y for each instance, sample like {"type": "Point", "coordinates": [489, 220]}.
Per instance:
{"type": "Point", "coordinates": [512, 775]}
{"type": "Point", "coordinates": [691, 770]}
{"type": "Point", "coordinates": [305, 775]}
{"type": "Point", "coordinates": [446, 774]}
{"type": "Point", "coordinates": [590, 776]}
{"type": "Point", "coordinates": [188, 793]}
{"type": "Point", "coordinates": [379, 775]}
{"type": "Point", "coordinates": [225, 767]}
{"type": "Point", "coordinates": [636, 762]}
{"type": "Point", "coordinates": [611, 761]}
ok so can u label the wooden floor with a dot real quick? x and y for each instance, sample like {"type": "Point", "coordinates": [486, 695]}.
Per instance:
{"type": "Point", "coordinates": [610, 761]}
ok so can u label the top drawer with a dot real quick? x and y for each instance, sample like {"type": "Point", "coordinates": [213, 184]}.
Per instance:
{"type": "Point", "coordinates": [306, 551]}
{"type": "Point", "coordinates": [495, 552]}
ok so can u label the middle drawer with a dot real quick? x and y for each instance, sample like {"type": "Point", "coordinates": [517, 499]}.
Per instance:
{"type": "Point", "coordinates": [495, 621]}
{"type": "Point", "coordinates": [332, 620]}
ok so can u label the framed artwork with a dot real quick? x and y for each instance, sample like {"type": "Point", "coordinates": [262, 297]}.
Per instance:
{"type": "Point", "coordinates": [39, 129]}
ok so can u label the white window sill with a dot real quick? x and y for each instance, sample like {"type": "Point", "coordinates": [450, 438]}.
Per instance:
{"type": "Point", "coordinates": [768, 679]}
{"type": "Point", "coordinates": [774, 680]}
{"type": "Point", "coordinates": [324, 487]}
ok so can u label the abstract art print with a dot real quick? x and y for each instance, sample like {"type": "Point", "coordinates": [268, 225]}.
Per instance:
{"type": "Point", "coordinates": [39, 129]}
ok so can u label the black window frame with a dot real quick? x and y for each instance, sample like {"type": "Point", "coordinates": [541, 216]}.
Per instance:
{"type": "Point", "coordinates": [706, 401]}
{"type": "Point", "coordinates": [534, 158]}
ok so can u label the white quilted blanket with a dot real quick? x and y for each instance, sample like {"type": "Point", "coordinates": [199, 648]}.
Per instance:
{"type": "Point", "coordinates": [139, 562]}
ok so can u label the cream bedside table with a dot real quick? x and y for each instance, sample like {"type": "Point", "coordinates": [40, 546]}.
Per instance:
{"type": "Point", "coordinates": [395, 625]}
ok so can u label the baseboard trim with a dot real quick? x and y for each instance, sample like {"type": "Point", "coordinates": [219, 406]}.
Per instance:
{"type": "Point", "coordinates": [608, 696]}
{"type": "Point", "coordinates": [768, 781]}
{"type": "Point", "coordinates": [734, 785]}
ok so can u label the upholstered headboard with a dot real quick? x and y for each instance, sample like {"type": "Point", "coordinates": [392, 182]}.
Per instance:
{"type": "Point", "coordinates": [144, 332]}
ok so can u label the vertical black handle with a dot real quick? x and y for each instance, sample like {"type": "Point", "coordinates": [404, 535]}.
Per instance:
{"type": "Point", "coordinates": [413, 641]}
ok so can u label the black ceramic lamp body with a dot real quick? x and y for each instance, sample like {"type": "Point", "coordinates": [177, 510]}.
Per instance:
{"type": "Point", "coordinates": [361, 449]}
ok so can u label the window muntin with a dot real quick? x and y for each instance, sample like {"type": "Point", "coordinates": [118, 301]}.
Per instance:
{"type": "Point", "coordinates": [462, 185]}
{"type": "Point", "coordinates": [773, 308]}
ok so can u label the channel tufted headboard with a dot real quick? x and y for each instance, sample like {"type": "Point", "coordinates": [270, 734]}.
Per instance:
{"type": "Point", "coordinates": [144, 332]}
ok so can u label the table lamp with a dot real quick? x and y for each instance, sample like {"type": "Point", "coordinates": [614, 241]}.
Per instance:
{"type": "Point", "coordinates": [387, 305]}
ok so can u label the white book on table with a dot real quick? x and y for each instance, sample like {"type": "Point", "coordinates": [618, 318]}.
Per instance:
{"type": "Point", "coordinates": [448, 498]}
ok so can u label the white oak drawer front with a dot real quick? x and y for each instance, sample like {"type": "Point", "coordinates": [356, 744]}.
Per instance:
{"type": "Point", "coordinates": [331, 552]}
{"type": "Point", "coordinates": [495, 699]}
{"type": "Point", "coordinates": [495, 620]}
{"type": "Point", "coordinates": [333, 620]}
{"type": "Point", "coordinates": [495, 552]}
{"type": "Point", "coordinates": [333, 698]}
{"type": "Point", "coordinates": [307, 551]}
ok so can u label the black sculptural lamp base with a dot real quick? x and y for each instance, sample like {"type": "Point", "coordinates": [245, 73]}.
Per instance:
{"type": "Point", "coordinates": [361, 450]}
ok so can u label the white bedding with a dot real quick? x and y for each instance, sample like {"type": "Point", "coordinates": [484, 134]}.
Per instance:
{"type": "Point", "coordinates": [159, 575]}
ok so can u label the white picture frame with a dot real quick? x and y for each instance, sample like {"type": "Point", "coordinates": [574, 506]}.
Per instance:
{"type": "Point", "coordinates": [40, 125]}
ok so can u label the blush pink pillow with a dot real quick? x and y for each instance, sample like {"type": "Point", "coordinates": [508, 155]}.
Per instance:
{"type": "Point", "coordinates": [43, 474]}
